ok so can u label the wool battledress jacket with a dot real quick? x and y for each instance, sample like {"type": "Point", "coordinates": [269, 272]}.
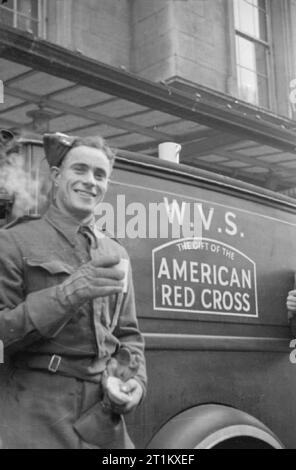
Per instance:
{"type": "Point", "coordinates": [54, 353]}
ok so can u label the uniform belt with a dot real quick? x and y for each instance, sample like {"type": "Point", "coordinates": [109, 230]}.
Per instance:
{"type": "Point", "coordinates": [71, 367]}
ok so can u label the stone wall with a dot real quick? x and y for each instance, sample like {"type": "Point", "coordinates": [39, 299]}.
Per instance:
{"type": "Point", "coordinates": [99, 29]}
{"type": "Point", "coordinates": [189, 41]}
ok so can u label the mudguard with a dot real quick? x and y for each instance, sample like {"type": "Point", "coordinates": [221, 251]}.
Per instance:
{"type": "Point", "coordinates": [209, 426]}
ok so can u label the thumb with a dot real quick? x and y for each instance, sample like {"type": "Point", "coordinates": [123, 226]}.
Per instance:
{"type": "Point", "coordinates": [129, 386]}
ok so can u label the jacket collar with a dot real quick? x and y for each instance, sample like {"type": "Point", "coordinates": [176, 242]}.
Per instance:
{"type": "Point", "coordinates": [65, 223]}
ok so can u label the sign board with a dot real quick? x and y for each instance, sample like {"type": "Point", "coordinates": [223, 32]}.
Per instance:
{"type": "Point", "coordinates": [204, 276]}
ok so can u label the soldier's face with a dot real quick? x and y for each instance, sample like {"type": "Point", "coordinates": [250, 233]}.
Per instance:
{"type": "Point", "coordinates": [82, 181]}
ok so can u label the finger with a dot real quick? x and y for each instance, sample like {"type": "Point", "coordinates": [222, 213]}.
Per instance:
{"type": "Point", "coordinates": [291, 307]}
{"type": "Point", "coordinates": [292, 292]}
{"type": "Point", "coordinates": [128, 387]}
{"type": "Point", "coordinates": [111, 273]}
{"type": "Point", "coordinates": [106, 261]}
{"type": "Point", "coordinates": [118, 398]}
{"type": "Point", "coordinates": [290, 304]}
{"type": "Point", "coordinates": [98, 282]}
{"type": "Point", "coordinates": [106, 291]}
{"type": "Point", "coordinates": [134, 401]}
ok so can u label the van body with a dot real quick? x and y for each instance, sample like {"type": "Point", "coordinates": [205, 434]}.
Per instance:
{"type": "Point", "coordinates": [211, 304]}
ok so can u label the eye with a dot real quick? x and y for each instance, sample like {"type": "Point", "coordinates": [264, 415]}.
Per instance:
{"type": "Point", "coordinates": [99, 176]}
{"type": "Point", "coordinates": [80, 169]}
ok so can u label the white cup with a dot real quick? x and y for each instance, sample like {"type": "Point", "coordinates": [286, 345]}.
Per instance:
{"type": "Point", "coordinates": [123, 266]}
{"type": "Point", "coordinates": [169, 151]}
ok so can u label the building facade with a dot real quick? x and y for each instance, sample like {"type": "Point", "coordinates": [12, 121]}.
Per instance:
{"type": "Point", "coordinates": [244, 48]}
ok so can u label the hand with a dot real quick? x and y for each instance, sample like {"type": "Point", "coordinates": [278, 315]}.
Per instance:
{"type": "Point", "coordinates": [93, 279]}
{"type": "Point", "coordinates": [291, 301]}
{"type": "Point", "coordinates": [124, 396]}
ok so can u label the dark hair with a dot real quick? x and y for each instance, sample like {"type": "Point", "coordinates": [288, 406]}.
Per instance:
{"type": "Point", "coordinates": [96, 142]}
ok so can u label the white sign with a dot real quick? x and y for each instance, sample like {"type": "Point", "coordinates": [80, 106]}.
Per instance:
{"type": "Point", "coordinates": [201, 275]}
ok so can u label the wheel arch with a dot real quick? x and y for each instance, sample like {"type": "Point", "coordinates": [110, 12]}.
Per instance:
{"type": "Point", "coordinates": [206, 426]}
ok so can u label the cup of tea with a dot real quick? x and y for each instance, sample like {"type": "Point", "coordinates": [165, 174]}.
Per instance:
{"type": "Point", "coordinates": [169, 151]}
{"type": "Point", "coordinates": [123, 265]}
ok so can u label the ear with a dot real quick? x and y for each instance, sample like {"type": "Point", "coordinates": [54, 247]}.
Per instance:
{"type": "Point", "coordinates": [6, 136]}
{"type": "Point", "coordinates": [55, 173]}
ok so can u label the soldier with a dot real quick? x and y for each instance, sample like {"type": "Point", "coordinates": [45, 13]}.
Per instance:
{"type": "Point", "coordinates": [68, 324]}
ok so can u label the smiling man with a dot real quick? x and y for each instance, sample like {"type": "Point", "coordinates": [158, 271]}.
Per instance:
{"type": "Point", "coordinates": [69, 327]}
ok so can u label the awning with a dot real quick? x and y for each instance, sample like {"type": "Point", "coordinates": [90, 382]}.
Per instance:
{"type": "Point", "coordinates": [47, 85]}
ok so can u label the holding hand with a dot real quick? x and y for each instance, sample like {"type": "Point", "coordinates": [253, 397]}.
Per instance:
{"type": "Point", "coordinates": [93, 279]}
{"type": "Point", "coordinates": [291, 301]}
{"type": "Point", "coordinates": [123, 396]}
{"type": "Point", "coordinates": [122, 392]}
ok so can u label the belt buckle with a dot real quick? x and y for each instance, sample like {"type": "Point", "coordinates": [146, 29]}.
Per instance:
{"type": "Point", "coordinates": [54, 363]}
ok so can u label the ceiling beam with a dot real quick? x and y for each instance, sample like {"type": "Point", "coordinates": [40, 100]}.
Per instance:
{"type": "Point", "coordinates": [263, 180]}
{"type": "Point", "coordinates": [83, 113]}
{"type": "Point", "coordinates": [209, 145]}
{"type": "Point", "coordinates": [201, 106]}
{"type": "Point", "coordinates": [253, 161]}
{"type": "Point", "coordinates": [279, 176]}
{"type": "Point", "coordinates": [227, 171]}
{"type": "Point", "coordinates": [180, 139]}
{"type": "Point", "coordinates": [20, 77]}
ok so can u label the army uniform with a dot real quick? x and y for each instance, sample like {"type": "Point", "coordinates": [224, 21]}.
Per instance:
{"type": "Point", "coordinates": [55, 353]}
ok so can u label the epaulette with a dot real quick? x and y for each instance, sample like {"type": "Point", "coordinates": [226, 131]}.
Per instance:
{"type": "Point", "coordinates": [20, 220]}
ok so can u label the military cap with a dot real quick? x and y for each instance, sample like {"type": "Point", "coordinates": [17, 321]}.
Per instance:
{"type": "Point", "coordinates": [56, 147]}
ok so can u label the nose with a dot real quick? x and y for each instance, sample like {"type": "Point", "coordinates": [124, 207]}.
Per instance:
{"type": "Point", "coordinates": [89, 179]}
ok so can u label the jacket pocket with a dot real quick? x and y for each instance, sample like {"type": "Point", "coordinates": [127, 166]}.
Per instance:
{"type": "Point", "coordinates": [103, 428]}
{"type": "Point", "coordinates": [40, 274]}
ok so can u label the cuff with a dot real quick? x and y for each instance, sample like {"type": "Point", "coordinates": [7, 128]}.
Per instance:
{"type": "Point", "coordinates": [49, 311]}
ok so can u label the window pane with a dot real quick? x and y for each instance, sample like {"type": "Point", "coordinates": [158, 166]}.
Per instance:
{"type": "Point", "coordinates": [26, 18]}
{"type": "Point", "coordinates": [245, 53]}
{"type": "Point", "coordinates": [247, 85]}
{"type": "Point", "coordinates": [250, 18]}
{"type": "Point", "coordinates": [263, 92]}
{"type": "Point", "coordinates": [22, 14]}
{"type": "Point", "coordinates": [253, 88]}
{"type": "Point", "coordinates": [251, 55]}
{"type": "Point", "coordinates": [262, 21]}
{"type": "Point", "coordinates": [6, 16]}
{"type": "Point", "coordinates": [8, 4]}
{"type": "Point", "coordinates": [28, 8]}
{"type": "Point", "coordinates": [245, 20]}
{"type": "Point", "coordinates": [261, 59]}
{"type": "Point", "coordinates": [34, 9]}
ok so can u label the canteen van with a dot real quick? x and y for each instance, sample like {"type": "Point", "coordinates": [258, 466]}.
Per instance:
{"type": "Point", "coordinates": [213, 259]}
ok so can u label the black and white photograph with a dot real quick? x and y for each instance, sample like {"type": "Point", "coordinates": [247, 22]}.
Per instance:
{"type": "Point", "coordinates": [147, 227]}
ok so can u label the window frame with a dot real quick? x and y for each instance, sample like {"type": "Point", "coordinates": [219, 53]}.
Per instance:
{"type": "Point", "coordinates": [41, 20]}
{"type": "Point", "coordinates": [268, 55]}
